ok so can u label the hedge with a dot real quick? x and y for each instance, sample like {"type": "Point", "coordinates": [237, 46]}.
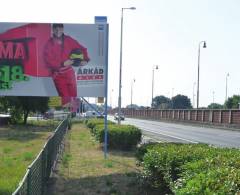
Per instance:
{"type": "Point", "coordinates": [124, 137]}
{"type": "Point", "coordinates": [91, 123]}
{"type": "Point", "coordinates": [190, 168]}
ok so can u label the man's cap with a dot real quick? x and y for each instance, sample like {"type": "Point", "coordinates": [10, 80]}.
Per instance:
{"type": "Point", "coordinates": [55, 25]}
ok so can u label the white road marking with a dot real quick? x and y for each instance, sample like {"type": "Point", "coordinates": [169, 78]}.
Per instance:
{"type": "Point", "coordinates": [170, 136]}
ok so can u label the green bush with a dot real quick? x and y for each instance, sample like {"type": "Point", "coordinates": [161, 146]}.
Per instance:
{"type": "Point", "coordinates": [123, 137]}
{"type": "Point", "coordinates": [91, 123]}
{"type": "Point", "coordinates": [218, 175]}
{"type": "Point", "coordinates": [16, 116]}
{"type": "Point", "coordinates": [142, 150]}
{"type": "Point", "coordinates": [190, 169]}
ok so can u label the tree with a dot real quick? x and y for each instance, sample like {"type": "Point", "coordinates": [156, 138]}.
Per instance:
{"type": "Point", "coordinates": [21, 106]}
{"type": "Point", "coordinates": [134, 106]}
{"type": "Point", "coordinates": [233, 102]}
{"type": "Point", "coordinates": [161, 102]}
{"type": "Point", "coordinates": [181, 102]}
{"type": "Point", "coordinates": [215, 106]}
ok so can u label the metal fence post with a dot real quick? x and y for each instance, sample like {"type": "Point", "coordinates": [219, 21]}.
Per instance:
{"type": "Point", "coordinates": [43, 170]}
{"type": "Point", "coordinates": [29, 181]}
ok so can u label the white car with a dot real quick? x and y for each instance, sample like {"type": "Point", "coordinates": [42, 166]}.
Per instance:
{"type": "Point", "coordinates": [90, 114]}
{"type": "Point", "coordinates": [122, 117]}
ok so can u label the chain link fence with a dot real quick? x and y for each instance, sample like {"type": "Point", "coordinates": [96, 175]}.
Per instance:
{"type": "Point", "coordinates": [35, 180]}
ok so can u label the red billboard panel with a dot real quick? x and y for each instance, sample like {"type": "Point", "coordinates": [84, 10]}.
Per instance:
{"type": "Point", "coordinates": [67, 60]}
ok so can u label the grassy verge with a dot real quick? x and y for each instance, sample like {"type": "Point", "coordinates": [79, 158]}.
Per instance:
{"type": "Point", "coordinates": [85, 171]}
{"type": "Point", "coordinates": [19, 145]}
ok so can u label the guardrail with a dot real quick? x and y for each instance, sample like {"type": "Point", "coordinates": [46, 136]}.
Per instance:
{"type": "Point", "coordinates": [38, 173]}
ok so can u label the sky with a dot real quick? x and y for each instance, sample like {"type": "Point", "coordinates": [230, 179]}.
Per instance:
{"type": "Point", "coordinates": [166, 33]}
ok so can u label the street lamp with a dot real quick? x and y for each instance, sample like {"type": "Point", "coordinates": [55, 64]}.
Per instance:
{"type": "Point", "coordinates": [120, 71]}
{"type": "Point", "coordinates": [172, 96]}
{"type": "Point", "coordinates": [111, 98]}
{"type": "Point", "coordinates": [154, 67]}
{"type": "Point", "coordinates": [204, 46]}
{"type": "Point", "coordinates": [133, 81]}
{"type": "Point", "coordinates": [226, 86]}
{"type": "Point", "coordinates": [194, 94]}
{"type": "Point", "coordinates": [213, 97]}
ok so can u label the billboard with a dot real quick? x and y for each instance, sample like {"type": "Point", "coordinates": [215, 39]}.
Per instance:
{"type": "Point", "coordinates": [41, 59]}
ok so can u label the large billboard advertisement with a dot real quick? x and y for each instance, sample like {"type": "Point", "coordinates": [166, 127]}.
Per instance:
{"type": "Point", "coordinates": [40, 59]}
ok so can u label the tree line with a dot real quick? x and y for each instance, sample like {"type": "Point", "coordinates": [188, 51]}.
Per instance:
{"type": "Point", "coordinates": [183, 102]}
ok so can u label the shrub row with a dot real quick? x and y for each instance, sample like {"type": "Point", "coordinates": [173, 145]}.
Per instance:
{"type": "Point", "coordinates": [123, 137]}
{"type": "Point", "coordinates": [190, 168]}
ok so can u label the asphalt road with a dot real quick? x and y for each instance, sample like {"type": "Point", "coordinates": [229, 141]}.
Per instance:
{"type": "Point", "coordinates": [171, 132]}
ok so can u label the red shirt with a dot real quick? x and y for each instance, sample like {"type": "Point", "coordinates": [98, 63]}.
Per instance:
{"type": "Point", "coordinates": [56, 54]}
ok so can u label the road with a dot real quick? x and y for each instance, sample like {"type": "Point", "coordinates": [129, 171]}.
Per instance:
{"type": "Point", "coordinates": [172, 132]}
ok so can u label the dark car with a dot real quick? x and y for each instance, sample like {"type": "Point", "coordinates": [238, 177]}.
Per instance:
{"type": "Point", "coordinates": [121, 116]}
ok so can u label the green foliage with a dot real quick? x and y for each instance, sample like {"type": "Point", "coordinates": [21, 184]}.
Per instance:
{"type": "Point", "coordinates": [27, 156]}
{"type": "Point", "coordinates": [191, 169]}
{"type": "Point", "coordinates": [181, 102]}
{"type": "Point", "coordinates": [142, 150]}
{"type": "Point", "coordinates": [16, 115]}
{"type": "Point", "coordinates": [66, 159]}
{"type": "Point", "coordinates": [21, 106]}
{"type": "Point", "coordinates": [123, 137]}
{"type": "Point", "coordinates": [161, 102]}
{"type": "Point", "coordinates": [177, 102]}
{"type": "Point", "coordinates": [210, 176]}
{"type": "Point", "coordinates": [233, 102]}
{"type": "Point", "coordinates": [215, 106]}
{"type": "Point", "coordinates": [91, 123]}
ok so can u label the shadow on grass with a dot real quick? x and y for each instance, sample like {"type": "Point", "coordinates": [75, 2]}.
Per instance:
{"type": "Point", "coordinates": [130, 153]}
{"type": "Point", "coordinates": [113, 184]}
{"type": "Point", "coordinates": [25, 132]}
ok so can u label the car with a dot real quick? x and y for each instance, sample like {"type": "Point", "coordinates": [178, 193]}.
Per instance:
{"type": "Point", "coordinates": [101, 115]}
{"type": "Point", "coordinates": [90, 114]}
{"type": "Point", "coordinates": [121, 116]}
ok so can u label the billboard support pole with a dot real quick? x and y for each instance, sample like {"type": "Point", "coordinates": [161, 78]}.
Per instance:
{"type": "Point", "coordinates": [106, 98]}
{"type": "Point", "coordinates": [103, 20]}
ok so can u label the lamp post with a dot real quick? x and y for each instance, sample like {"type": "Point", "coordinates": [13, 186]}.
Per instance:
{"type": "Point", "coordinates": [120, 71]}
{"type": "Point", "coordinates": [111, 98]}
{"type": "Point", "coordinates": [226, 86]}
{"type": "Point", "coordinates": [154, 67]}
{"type": "Point", "coordinates": [213, 99]}
{"type": "Point", "coordinates": [204, 46]}
{"type": "Point", "coordinates": [194, 94]}
{"type": "Point", "coordinates": [172, 97]}
{"type": "Point", "coordinates": [133, 81]}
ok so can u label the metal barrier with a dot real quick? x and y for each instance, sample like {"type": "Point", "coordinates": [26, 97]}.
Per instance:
{"type": "Point", "coordinates": [38, 173]}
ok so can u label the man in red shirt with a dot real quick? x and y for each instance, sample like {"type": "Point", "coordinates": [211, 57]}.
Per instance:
{"type": "Point", "coordinates": [61, 53]}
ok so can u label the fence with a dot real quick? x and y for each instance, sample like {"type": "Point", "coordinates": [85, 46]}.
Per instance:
{"type": "Point", "coordinates": [229, 117]}
{"type": "Point", "coordinates": [35, 179]}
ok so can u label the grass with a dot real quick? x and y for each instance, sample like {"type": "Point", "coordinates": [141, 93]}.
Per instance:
{"type": "Point", "coordinates": [85, 171]}
{"type": "Point", "coordinates": [19, 145]}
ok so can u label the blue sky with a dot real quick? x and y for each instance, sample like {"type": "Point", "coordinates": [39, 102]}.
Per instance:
{"type": "Point", "coordinates": [159, 32]}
